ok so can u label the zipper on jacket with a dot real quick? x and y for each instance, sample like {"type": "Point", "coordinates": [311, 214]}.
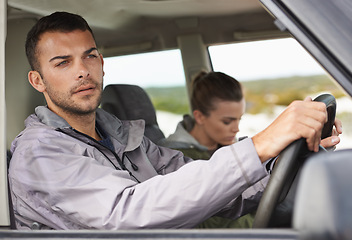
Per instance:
{"type": "Point", "coordinates": [134, 166]}
{"type": "Point", "coordinates": [115, 155]}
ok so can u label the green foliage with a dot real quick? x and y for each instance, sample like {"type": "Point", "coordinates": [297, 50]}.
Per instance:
{"type": "Point", "coordinates": [260, 95]}
{"type": "Point", "coordinates": [170, 99]}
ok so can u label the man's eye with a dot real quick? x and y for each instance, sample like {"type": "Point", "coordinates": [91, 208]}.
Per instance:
{"type": "Point", "coordinates": [61, 63]}
{"type": "Point", "coordinates": [92, 56]}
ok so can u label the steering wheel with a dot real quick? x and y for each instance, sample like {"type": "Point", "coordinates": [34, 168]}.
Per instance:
{"type": "Point", "coordinates": [276, 205]}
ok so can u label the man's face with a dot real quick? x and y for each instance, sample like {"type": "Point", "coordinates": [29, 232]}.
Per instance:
{"type": "Point", "coordinates": [72, 72]}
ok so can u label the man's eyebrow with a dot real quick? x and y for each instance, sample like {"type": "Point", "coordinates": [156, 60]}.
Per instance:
{"type": "Point", "coordinates": [90, 50]}
{"type": "Point", "coordinates": [59, 57]}
{"type": "Point", "coordinates": [67, 56]}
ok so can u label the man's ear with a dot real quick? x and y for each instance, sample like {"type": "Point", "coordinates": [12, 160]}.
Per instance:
{"type": "Point", "coordinates": [198, 117]}
{"type": "Point", "coordinates": [36, 81]}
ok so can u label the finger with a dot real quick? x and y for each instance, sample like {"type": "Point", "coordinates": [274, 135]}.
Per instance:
{"type": "Point", "coordinates": [335, 132]}
{"type": "Point", "coordinates": [316, 110]}
{"type": "Point", "coordinates": [308, 99]}
{"type": "Point", "coordinates": [338, 125]}
{"type": "Point", "coordinates": [317, 106]}
{"type": "Point", "coordinates": [308, 119]}
{"type": "Point", "coordinates": [300, 119]}
{"type": "Point", "coordinates": [311, 136]}
{"type": "Point", "coordinates": [311, 129]}
{"type": "Point", "coordinates": [314, 117]}
{"type": "Point", "coordinates": [315, 141]}
{"type": "Point", "coordinates": [330, 141]}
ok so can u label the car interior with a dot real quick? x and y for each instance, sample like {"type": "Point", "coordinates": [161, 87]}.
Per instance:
{"type": "Point", "coordinates": [131, 102]}
{"type": "Point", "coordinates": [308, 196]}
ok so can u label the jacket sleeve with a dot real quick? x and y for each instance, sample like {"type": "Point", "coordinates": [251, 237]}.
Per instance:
{"type": "Point", "coordinates": [168, 160]}
{"type": "Point", "coordinates": [65, 191]}
{"type": "Point", "coordinates": [164, 160]}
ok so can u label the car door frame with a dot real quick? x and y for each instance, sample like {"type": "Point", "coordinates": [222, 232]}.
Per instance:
{"type": "Point", "coordinates": [4, 204]}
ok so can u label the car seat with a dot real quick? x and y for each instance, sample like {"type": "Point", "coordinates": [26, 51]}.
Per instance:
{"type": "Point", "coordinates": [131, 102]}
{"type": "Point", "coordinates": [323, 205]}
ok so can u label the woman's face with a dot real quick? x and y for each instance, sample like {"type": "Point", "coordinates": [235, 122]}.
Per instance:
{"type": "Point", "coordinates": [222, 124]}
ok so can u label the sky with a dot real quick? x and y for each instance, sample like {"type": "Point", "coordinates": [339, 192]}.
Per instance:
{"type": "Point", "coordinates": [244, 61]}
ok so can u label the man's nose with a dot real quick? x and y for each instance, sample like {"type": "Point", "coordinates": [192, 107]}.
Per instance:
{"type": "Point", "coordinates": [82, 70]}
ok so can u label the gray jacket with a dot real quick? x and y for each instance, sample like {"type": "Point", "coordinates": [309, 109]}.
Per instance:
{"type": "Point", "coordinates": [181, 138]}
{"type": "Point", "coordinates": [63, 179]}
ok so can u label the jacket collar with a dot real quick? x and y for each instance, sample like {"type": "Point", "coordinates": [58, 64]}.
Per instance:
{"type": "Point", "coordinates": [128, 133]}
{"type": "Point", "coordinates": [50, 118]}
{"type": "Point", "coordinates": [181, 138]}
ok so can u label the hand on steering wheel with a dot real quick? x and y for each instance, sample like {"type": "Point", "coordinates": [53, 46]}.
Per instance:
{"type": "Point", "coordinates": [287, 167]}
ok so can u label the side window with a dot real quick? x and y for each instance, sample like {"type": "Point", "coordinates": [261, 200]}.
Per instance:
{"type": "Point", "coordinates": [161, 75]}
{"type": "Point", "coordinates": [274, 73]}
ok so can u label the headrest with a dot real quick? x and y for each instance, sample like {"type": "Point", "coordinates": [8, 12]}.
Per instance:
{"type": "Point", "coordinates": [128, 102]}
{"type": "Point", "coordinates": [131, 102]}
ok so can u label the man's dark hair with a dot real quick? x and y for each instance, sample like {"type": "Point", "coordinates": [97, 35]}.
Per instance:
{"type": "Point", "coordinates": [56, 22]}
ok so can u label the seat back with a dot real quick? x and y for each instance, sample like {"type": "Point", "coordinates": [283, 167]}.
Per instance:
{"type": "Point", "coordinates": [131, 102]}
{"type": "Point", "coordinates": [323, 206]}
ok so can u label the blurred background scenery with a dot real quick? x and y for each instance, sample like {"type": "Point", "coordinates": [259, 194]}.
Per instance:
{"type": "Point", "coordinates": [273, 73]}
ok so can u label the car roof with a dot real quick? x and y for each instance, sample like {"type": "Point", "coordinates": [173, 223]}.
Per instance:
{"type": "Point", "coordinates": [324, 28]}
{"type": "Point", "coordinates": [125, 27]}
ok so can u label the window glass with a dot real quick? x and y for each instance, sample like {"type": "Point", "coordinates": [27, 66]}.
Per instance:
{"type": "Point", "coordinates": [157, 69]}
{"type": "Point", "coordinates": [264, 60]}
{"type": "Point", "coordinates": [274, 73]}
{"type": "Point", "coordinates": [161, 75]}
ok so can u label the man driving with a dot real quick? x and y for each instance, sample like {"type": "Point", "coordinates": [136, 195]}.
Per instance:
{"type": "Point", "coordinates": [75, 166]}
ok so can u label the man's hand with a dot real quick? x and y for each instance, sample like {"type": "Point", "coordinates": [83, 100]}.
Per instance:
{"type": "Point", "coordinates": [301, 119]}
{"type": "Point", "coordinates": [334, 139]}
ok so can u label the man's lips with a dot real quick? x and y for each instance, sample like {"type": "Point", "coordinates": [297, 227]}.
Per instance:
{"type": "Point", "coordinates": [85, 89]}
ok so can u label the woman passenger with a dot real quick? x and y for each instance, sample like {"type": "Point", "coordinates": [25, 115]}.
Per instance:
{"type": "Point", "coordinates": [217, 105]}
